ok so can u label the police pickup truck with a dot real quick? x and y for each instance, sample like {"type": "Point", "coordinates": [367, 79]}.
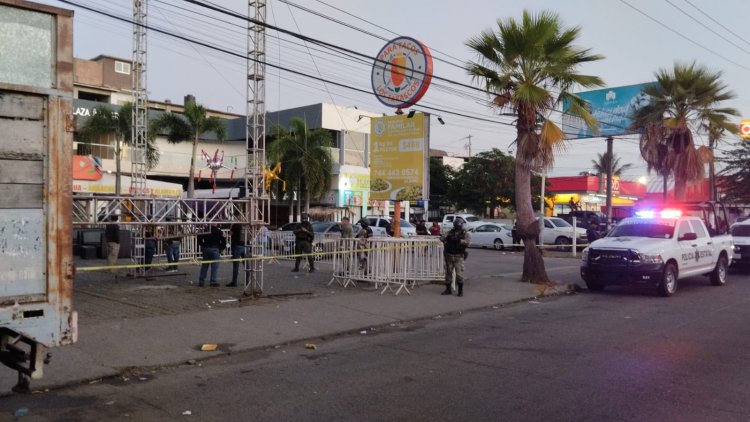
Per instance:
{"type": "Point", "coordinates": [656, 248]}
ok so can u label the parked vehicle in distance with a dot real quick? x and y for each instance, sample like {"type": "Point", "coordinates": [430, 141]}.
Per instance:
{"type": "Point", "coordinates": [289, 227]}
{"type": "Point", "coordinates": [656, 249]}
{"type": "Point", "coordinates": [470, 220]}
{"type": "Point", "coordinates": [585, 218]}
{"type": "Point", "coordinates": [741, 236]}
{"type": "Point", "coordinates": [490, 235]}
{"type": "Point", "coordinates": [407, 229]}
{"type": "Point", "coordinates": [559, 232]}
{"type": "Point", "coordinates": [380, 225]}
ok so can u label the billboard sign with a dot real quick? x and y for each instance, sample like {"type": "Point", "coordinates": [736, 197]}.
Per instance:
{"type": "Point", "coordinates": [612, 107]}
{"type": "Point", "coordinates": [402, 72]}
{"type": "Point", "coordinates": [399, 151]}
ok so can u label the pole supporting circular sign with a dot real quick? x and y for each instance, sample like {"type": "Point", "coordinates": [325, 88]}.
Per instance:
{"type": "Point", "coordinates": [402, 72]}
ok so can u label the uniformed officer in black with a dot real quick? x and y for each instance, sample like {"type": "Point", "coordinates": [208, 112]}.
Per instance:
{"type": "Point", "coordinates": [456, 242]}
{"type": "Point", "coordinates": [304, 236]}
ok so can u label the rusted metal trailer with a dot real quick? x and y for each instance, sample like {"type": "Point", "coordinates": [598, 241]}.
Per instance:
{"type": "Point", "coordinates": [36, 134]}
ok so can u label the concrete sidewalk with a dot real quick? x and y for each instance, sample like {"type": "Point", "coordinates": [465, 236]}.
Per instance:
{"type": "Point", "coordinates": [164, 320]}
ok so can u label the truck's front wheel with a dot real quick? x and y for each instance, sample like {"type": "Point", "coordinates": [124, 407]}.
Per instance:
{"type": "Point", "coordinates": [668, 285]}
{"type": "Point", "coordinates": [719, 274]}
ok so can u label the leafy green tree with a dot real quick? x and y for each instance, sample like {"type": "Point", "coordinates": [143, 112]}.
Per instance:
{"type": "Point", "coordinates": [686, 96]}
{"type": "Point", "coordinates": [305, 157]}
{"type": "Point", "coordinates": [604, 161]}
{"type": "Point", "coordinates": [189, 126]}
{"type": "Point", "coordinates": [528, 67]}
{"type": "Point", "coordinates": [441, 179]}
{"type": "Point", "coordinates": [736, 172]}
{"type": "Point", "coordinates": [485, 181]}
{"type": "Point", "coordinates": [119, 124]}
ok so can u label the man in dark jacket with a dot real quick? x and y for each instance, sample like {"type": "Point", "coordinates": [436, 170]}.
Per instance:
{"type": "Point", "coordinates": [456, 242]}
{"type": "Point", "coordinates": [303, 239]}
{"type": "Point", "coordinates": [591, 233]}
{"type": "Point", "coordinates": [237, 235]}
{"type": "Point", "coordinates": [211, 244]}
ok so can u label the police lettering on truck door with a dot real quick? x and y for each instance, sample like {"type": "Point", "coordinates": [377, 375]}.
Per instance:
{"type": "Point", "coordinates": [688, 248]}
{"type": "Point", "coordinates": [705, 256]}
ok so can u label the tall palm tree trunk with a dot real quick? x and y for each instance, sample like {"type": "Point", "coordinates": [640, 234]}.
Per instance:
{"type": "Point", "coordinates": [680, 187]}
{"type": "Point", "coordinates": [191, 178]}
{"type": "Point", "coordinates": [713, 191]}
{"type": "Point", "coordinates": [528, 228]}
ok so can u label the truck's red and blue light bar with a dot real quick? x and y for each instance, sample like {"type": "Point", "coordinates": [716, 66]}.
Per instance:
{"type": "Point", "coordinates": [665, 213]}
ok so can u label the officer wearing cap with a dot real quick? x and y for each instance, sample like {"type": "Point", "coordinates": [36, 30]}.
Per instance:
{"type": "Point", "coordinates": [456, 241]}
{"type": "Point", "coordinates": [304, 236]}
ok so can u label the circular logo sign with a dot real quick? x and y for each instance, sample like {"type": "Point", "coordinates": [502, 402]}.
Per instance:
{"type": "Point", "coordinates": [402, 72]}
{"type": "Point", "coordinates": [745, 129]}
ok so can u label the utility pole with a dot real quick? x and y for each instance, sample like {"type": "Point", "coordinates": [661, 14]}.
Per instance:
{"type": "Point", "coordinates": [609, 182]}
{"type": "Point", "coordinates": [468, 145]}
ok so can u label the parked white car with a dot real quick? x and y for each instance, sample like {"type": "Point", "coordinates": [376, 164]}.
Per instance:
{"type": "Point", "coordinates": [490, 235]}
{"type": "Point", "coordinates": [559, 232]}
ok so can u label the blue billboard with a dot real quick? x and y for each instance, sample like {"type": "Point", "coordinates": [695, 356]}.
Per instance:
{"type": "Point", "coordinates": [612, 107]}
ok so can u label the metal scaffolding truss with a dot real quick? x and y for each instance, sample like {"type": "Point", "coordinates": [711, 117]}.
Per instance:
{"type": "Point", "coordinates": [140, 211]}
{"type": "Point", "coordinates": [139, 134]}
{"type": "Point", "coordinates": [255, 134]}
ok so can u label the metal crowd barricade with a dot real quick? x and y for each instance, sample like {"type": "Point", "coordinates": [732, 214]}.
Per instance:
{"type": "Point", "coordinates": [395, 263]}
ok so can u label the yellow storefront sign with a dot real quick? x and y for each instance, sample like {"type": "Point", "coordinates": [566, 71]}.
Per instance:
{"type": "Point", "coordinates": [398, 156]}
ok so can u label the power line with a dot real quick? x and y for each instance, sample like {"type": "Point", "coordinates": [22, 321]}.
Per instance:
{"type": "Point", "coordinates": [707, 27]}
{"type": "Point", "coordinates": [717, 22]}
{"type": "Point", "coordinates": [232, 53]}
{"type": "Point", "coordinates": [683, 36]}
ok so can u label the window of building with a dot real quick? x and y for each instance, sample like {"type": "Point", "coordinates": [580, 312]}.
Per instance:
{"type": "Point", "coordinates": [103, 147]}
{"type": "Point", "coordinates": [122, 67]}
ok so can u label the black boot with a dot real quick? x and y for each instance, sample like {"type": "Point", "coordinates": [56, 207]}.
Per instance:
{"type": "Point", "coordinates": [447, 290]}
{"type": "Point", "coordinates": [460, 289]}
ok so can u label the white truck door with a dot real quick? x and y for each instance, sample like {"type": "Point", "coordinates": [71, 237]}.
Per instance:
{"type": "Point", "coordinates": [708, 250]}
{"type": "Point", "coordinates": [688, 248]}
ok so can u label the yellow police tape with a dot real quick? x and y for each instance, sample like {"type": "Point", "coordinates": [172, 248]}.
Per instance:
{"type": "Point", "coordinates": [260, 258]}
{"type": "Point", "coordinates": [257, 258]}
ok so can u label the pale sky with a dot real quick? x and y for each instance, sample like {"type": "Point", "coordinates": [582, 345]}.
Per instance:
{"type": "Point", "coordinates": [635, 45]}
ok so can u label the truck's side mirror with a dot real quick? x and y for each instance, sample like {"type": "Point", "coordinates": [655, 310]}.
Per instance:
{"type": "Point", "coordinates": [688, 236]}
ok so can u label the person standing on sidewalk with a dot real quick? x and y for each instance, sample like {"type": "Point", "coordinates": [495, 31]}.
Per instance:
{"type": "Point", "coordinates": [172, 249]}
{"type": "Point", "coordinates": [303, 238]}
{"type": "Point", "coordinates": [149, 245]}
{"type": "Point", "coordinates": [421, 228]}
{"type": "Point", "coordinates": [237, 234]}
{"type": "Point", "coordinates": [456, 242]}
{"type": "Point", "coordinates": [347, 231]}
{"type": "Point", "coordinates": [211, 243]}
{"type": "Point", "coordinates": [435, 229]}
{"type": "Point", "coordinates": [112, 236]}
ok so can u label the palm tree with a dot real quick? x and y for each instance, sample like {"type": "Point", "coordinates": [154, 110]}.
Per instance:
{"type": "Point", "coordinates": [189, 127]}
{"type": "Point", "coordinates": [305, 158]}
{"type": "Point", "coordinates": [687, 96]}
{"type": "Point", "coordinates": [528, 67]}
{"type": "Point", "coordinates": [604, 161]}
{"type": "Point", "coordinates": [107, 122]}
{"type": "Point", "coordinates": [718, 124]}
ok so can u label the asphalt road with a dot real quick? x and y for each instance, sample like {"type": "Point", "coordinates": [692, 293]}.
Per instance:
{"type": "Point", "coordinates": [619, 355]}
